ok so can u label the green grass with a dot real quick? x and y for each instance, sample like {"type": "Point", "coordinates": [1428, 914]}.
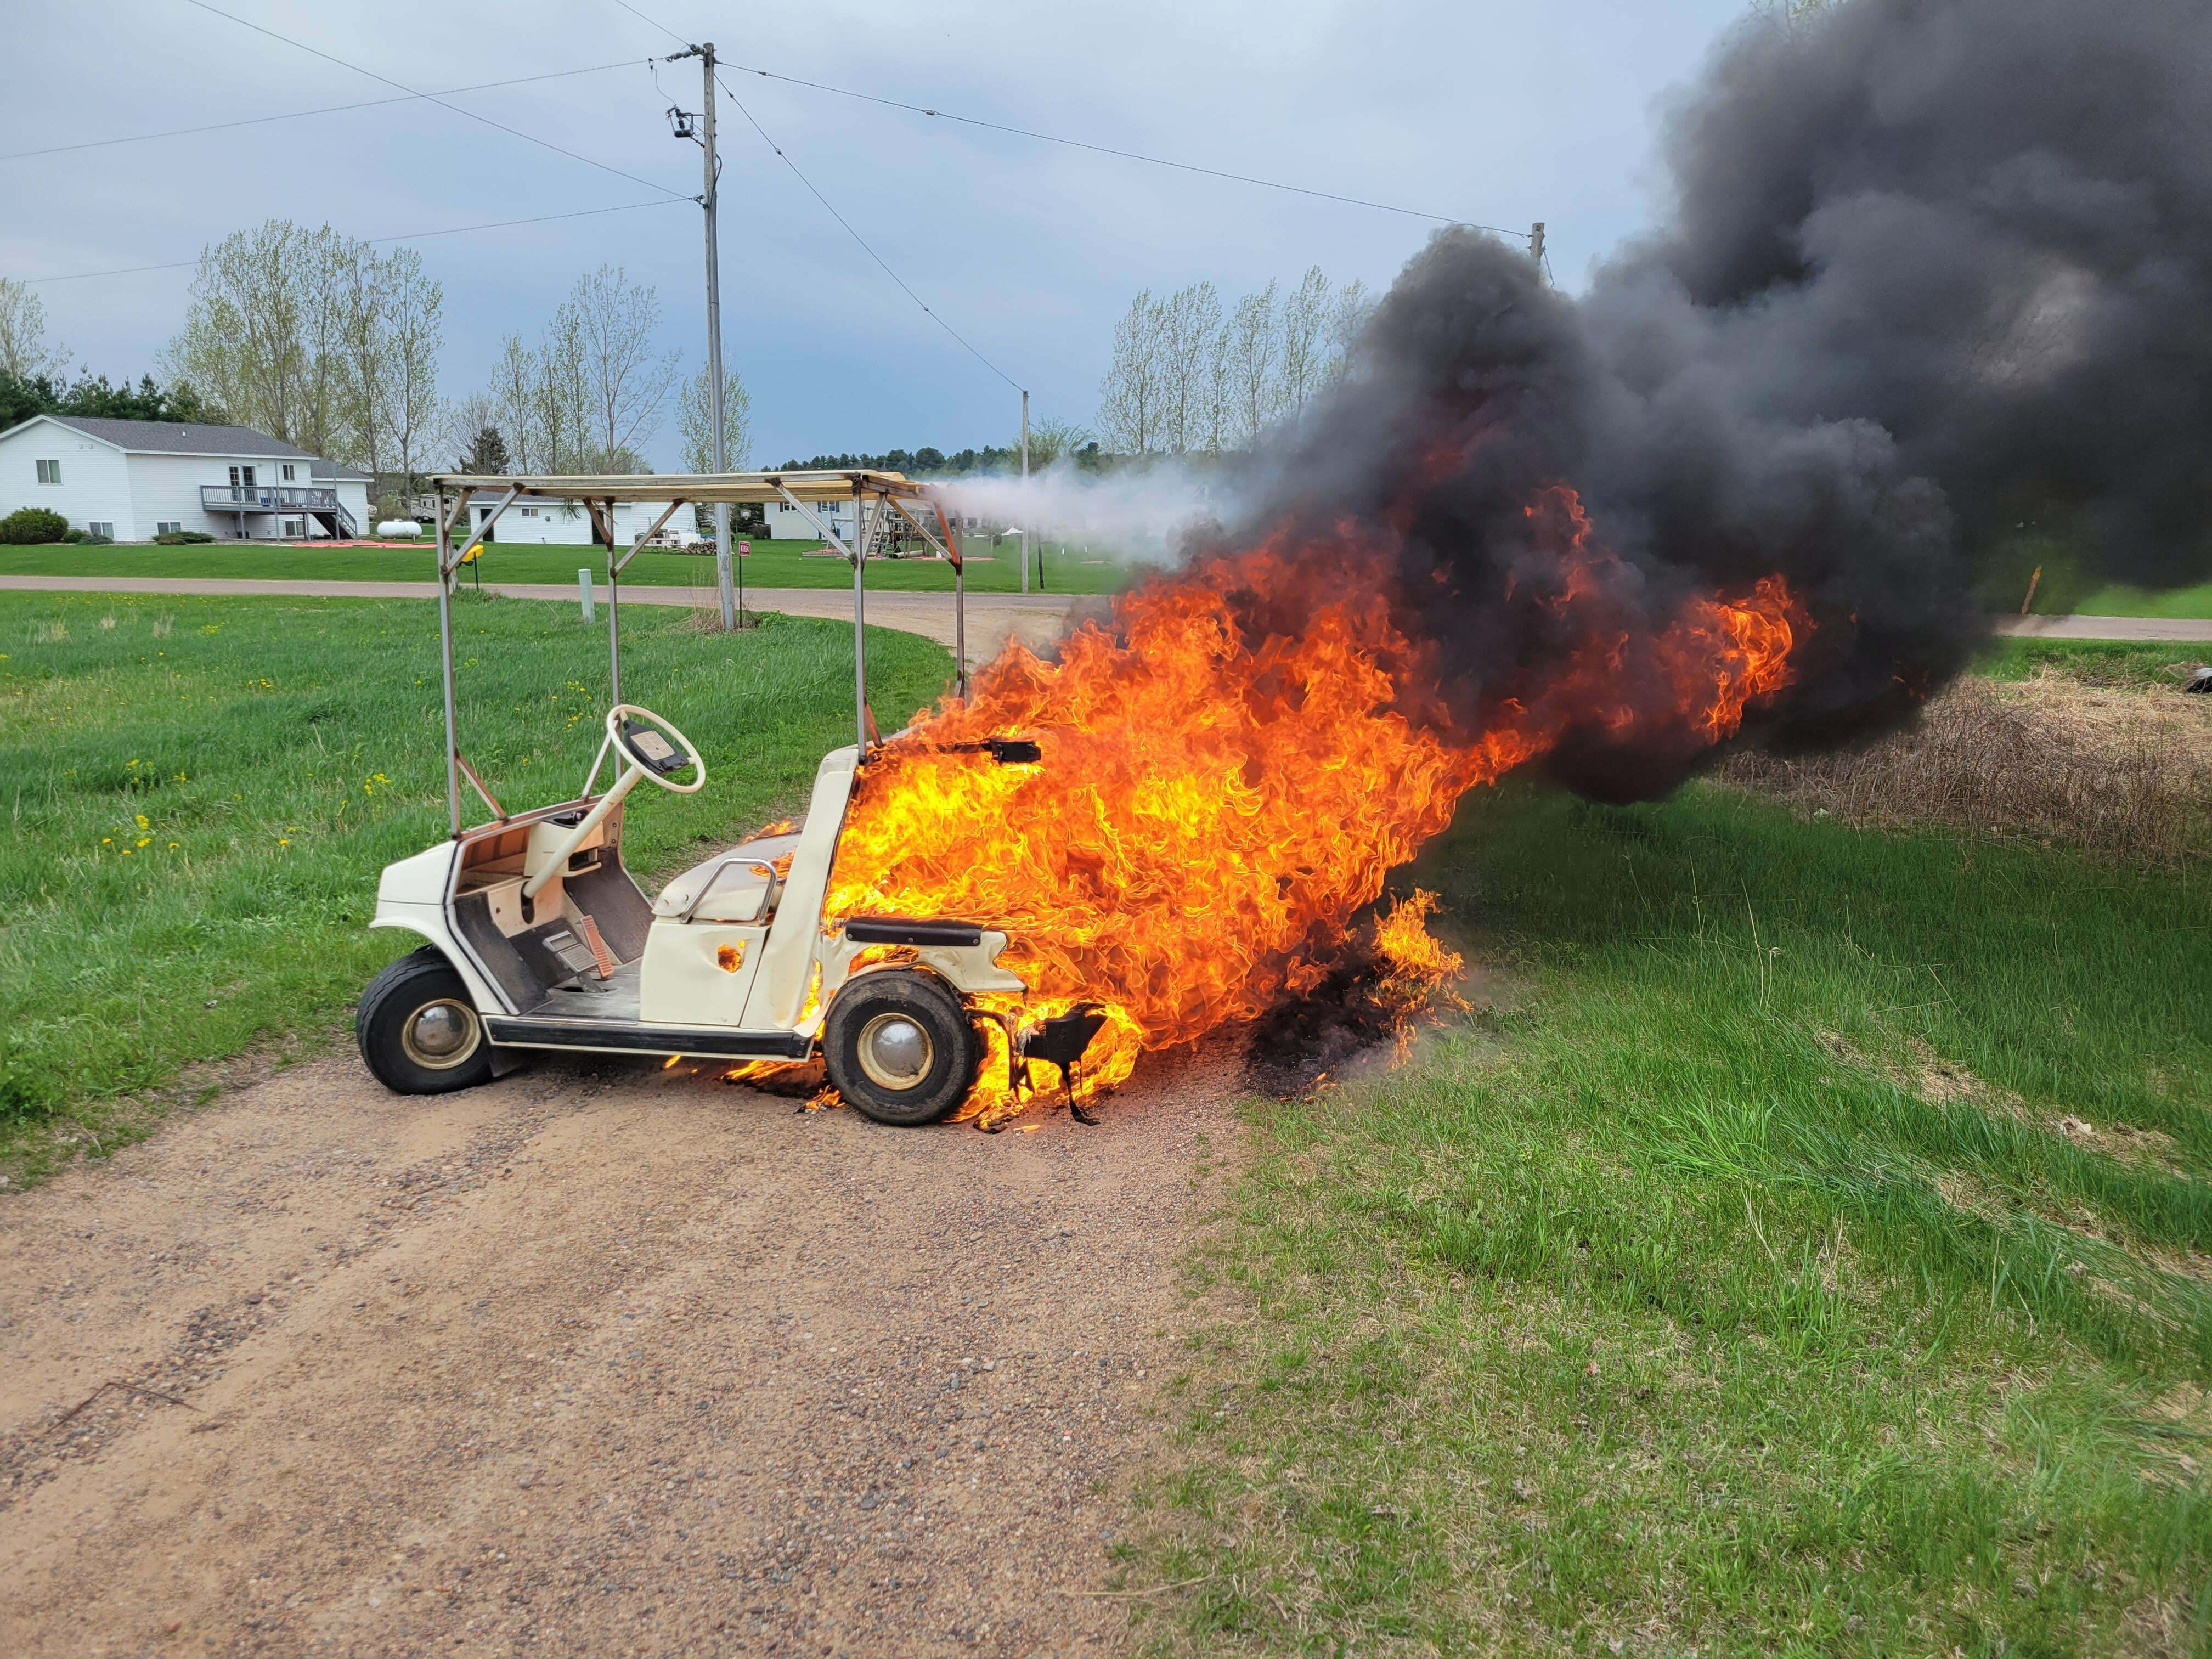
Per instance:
{"type": "Point", "coordinates": [2118, 601]}
{"type": "Point", "coordinates": [202, 793]}
{"type": "Point", "coordinates": [2121, 664]}
{"type": "Point", "coordinates": [1731, 1283]}
{"type": "Point", "coordinates": [771, 564]}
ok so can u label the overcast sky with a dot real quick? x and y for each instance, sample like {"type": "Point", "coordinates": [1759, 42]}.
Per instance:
{"type": "Point", "coordinates": [1493, 113]}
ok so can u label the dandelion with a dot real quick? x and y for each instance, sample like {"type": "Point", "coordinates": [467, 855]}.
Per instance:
{"type": "Point", "coordinates": [173, 847]}
{"type": "Point", "coordinates": [143, 823]}
{"type": "Point", "coordinates": [145, 840]}
{"type": "Point", "coordinates": [281, 842]}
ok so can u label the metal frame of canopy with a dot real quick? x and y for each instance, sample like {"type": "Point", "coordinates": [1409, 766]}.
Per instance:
{"type": "Point", "coordinates": [872, 495]}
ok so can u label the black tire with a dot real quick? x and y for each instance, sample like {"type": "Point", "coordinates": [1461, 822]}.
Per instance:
{"type": "Point", "coordinates": [387, 1011]}
{"type": "Point", "coordinates": [882, 1010]}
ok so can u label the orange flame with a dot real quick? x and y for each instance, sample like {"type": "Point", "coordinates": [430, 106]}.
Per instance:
{"type": "Point", "coordinates": [1228, 774]}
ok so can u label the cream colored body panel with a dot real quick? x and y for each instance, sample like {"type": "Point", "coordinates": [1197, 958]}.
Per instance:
{"type": "Point", "coordinates": [685, 982]}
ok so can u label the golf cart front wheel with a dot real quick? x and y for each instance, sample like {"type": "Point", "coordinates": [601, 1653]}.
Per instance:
{"type": "Point", "coordinates": [900, 1048]}
{"type": "Point", "coordinates": [418, 1028]}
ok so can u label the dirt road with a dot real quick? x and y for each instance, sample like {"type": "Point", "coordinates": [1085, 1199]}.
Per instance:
{"type": "Point", "coordinates": [592, 1361]}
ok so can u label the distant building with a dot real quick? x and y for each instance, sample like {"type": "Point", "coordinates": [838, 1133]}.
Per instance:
{"type": "Point", "coordinates": [566, 524]}
{"type": "Point", "coordinates": [134, 480]}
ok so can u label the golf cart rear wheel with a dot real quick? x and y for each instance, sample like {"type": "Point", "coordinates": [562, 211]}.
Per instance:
{"type": "Point", "coordinates": [418, 1028]}
{"type": "Point", "coordinates": [900, 1048]}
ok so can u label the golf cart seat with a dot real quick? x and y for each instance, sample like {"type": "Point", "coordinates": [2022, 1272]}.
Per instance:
{"type": "Point", "coordinates": [739, 885]}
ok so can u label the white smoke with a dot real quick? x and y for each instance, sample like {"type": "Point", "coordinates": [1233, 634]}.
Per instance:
{"type": "Point", "coordinates": [1137, 514]}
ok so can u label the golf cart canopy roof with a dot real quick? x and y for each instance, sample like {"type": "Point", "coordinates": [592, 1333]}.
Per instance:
{"type": "Point", "coordinates": [702, 489]}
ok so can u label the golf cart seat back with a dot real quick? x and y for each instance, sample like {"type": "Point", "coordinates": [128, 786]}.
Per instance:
{"type": "Point", "coordinates": [741, 884]}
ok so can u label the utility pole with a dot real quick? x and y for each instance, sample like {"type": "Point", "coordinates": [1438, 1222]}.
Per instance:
{"type": "Point", "coordinates": [1536, 240]}
{"type": "Point", "coordinates": [1025, 498]}
{"type": "Point", "coordinates": [723, 562]}
{"type": "Point", "coordinates": [722, 559]}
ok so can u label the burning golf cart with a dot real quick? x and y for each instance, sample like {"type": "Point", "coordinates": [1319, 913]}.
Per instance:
{"type": "Point", "coordinates": [539, 938]}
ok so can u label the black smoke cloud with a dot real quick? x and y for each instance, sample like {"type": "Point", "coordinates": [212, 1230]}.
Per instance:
{"type": "Point", "coordinates": [1933, 268]}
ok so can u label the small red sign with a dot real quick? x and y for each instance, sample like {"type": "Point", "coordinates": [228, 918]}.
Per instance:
{"type": "Point", "coordinates": [744, 547]}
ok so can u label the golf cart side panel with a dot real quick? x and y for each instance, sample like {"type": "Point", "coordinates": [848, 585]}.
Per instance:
{"type": "Point", "coordinates": [968, 968]}
{"type": "Point", "coordinates": [411, 895]}
{"type": "Point", "coordinates": [794, 939]}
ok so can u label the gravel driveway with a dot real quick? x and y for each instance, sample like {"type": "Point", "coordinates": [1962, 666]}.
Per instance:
{"type": "Point", "coordinates": [592, 1361]}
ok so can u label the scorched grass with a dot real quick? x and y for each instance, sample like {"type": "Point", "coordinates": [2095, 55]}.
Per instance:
{"type": "Point", "coordinates": [202, 793]}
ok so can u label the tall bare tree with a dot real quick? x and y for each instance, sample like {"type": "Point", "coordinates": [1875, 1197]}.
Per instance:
{"type": "Point", "coordinates": [1305, 356]}
{"type": "Point", "coordinates": [414, 335]}
{"type": "Point", "coordinates": [315, 339]}
{"type": "Point", "coordinates": [1249, 366]}
{"type": "Point", "coordinates": [696, 420]}
{"type": "Point", "coordinates": [615, 326]}
{"type": "Point", "coordinates": [1191, 325]}
{"type": "Point", "coordinates": [24, 352]}
{"type": "Point", "coordinates": [1129, 397]}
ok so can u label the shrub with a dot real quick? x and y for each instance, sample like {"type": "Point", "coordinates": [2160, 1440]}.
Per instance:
{"type": "Point", "coordinates": [183, 537]}
{"type": "Point", "coordinates": [28, 527]}
{"type": "Point", "coordinates": [73, 534]}
{"type": "Point", "coordinates": [96, 541]}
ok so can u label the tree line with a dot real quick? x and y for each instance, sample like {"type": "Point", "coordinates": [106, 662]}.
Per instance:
{"type": "Point", "coordinates": [326, 342]}
{"type": "Point", "coordinates": [1187, 377]}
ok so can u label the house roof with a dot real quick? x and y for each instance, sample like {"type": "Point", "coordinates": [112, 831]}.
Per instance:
{"type": "Point", "coordinates": [323, 468]}
{"type": "Point", "coordinates": [180, 438]}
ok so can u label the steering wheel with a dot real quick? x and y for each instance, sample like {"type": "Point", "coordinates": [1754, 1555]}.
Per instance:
{"type": "Point", "coordinates": [641, 738]}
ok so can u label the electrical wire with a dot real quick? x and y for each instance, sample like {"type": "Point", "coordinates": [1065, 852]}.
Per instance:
{"type": "Point", "coordinates": [1126, 155]}
{"type": "Point", "coordinates": [829, 207]}
{"type": "Point", "coordinates": [457, 109]}
{"type": "Point", "coordinates": [412, 236]}
{"type": "Point", "coordinates": [301, 114]}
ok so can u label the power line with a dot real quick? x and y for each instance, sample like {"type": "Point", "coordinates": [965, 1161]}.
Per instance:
{"type": "Point", "coordinates": [1126, 155]}
{"type": "Point", "coordinates": [412, 236]}
{"type": "Point", "coordinates": [457, 109]}
{"type": "Point", "coordinates": [830, 208]}
{"type": "Point", "coordinates": [301, 114]}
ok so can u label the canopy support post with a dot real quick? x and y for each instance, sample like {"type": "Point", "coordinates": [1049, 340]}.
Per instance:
{"type": "Point", "coordinates": [445, 664]}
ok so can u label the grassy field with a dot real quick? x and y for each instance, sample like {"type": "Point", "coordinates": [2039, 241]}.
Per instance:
{"type": "Point", "coordinates": [2190, 602]}
{"type": "Point", "coordinates": [771, 564]}
{"type": "Point", "coordinates": [202, 793]}
{"type": "Point", "coordinates": [1804, 1250]}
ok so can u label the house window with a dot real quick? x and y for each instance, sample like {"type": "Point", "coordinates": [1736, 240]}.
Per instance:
{"type": "Point", "coordinates": [50, 471]}
{"type": "Point", "coordinates": [296, 526]}
{"type": "Point", "coordinates": [241, 475]}
{"type": "Point", "coordinates": [288, 472]}
{"type": "Point", "coordinates": [169, 527]}
{"type": "Point", "coordinates": [101, 528]}
{"type": "Point", "coordinates": [529, 512]}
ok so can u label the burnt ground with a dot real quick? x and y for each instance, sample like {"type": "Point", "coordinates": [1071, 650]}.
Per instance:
{"type": "Point", "coordinates": [590, 1361]}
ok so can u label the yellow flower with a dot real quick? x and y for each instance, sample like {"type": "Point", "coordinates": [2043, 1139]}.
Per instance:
{"type": "Point", "coordinates": [281, 842]}
{"type": "Point", "coordinates": [126, 852]}
{"type": "Point", "coordinates": [145, 840]}
{"type": "Point", "coordinates": [143, 824]}
{"type": "Point", "coordinates": [173, 846]}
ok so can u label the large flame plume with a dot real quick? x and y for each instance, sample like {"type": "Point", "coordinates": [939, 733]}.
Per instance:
{"type": "Point", "coordinates": [1230, 768]}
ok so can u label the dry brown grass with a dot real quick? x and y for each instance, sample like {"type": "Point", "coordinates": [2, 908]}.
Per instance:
{"type": "Point", "coordinates": [2120, 770]}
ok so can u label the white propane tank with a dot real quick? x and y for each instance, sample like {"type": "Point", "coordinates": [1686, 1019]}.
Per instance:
{"type": "Point", "coordinates": [399, 527]}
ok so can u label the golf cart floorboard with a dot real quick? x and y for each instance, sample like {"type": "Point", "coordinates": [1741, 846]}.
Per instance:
{"type": "Point", "coordinates": [615, 998]}
{"type": "Point", "coordinates": [607, 1020]}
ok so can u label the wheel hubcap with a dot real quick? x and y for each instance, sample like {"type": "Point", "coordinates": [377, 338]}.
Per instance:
{"type": "Point", "coordinates": [895, 1052]}
{"type": "Point", "coordinates": [440, 1035]}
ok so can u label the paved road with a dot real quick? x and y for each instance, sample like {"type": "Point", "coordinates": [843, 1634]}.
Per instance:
{"type": "Point", "coordinates": [1033, 618]}
{"type": "Point", "coordinates": [2175, 629]}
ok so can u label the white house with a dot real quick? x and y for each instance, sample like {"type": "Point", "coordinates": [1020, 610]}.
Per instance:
{"type": "Point", "coordinates": [134, 480]}
{"type": "Point", "coordinates": [566, 524]}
